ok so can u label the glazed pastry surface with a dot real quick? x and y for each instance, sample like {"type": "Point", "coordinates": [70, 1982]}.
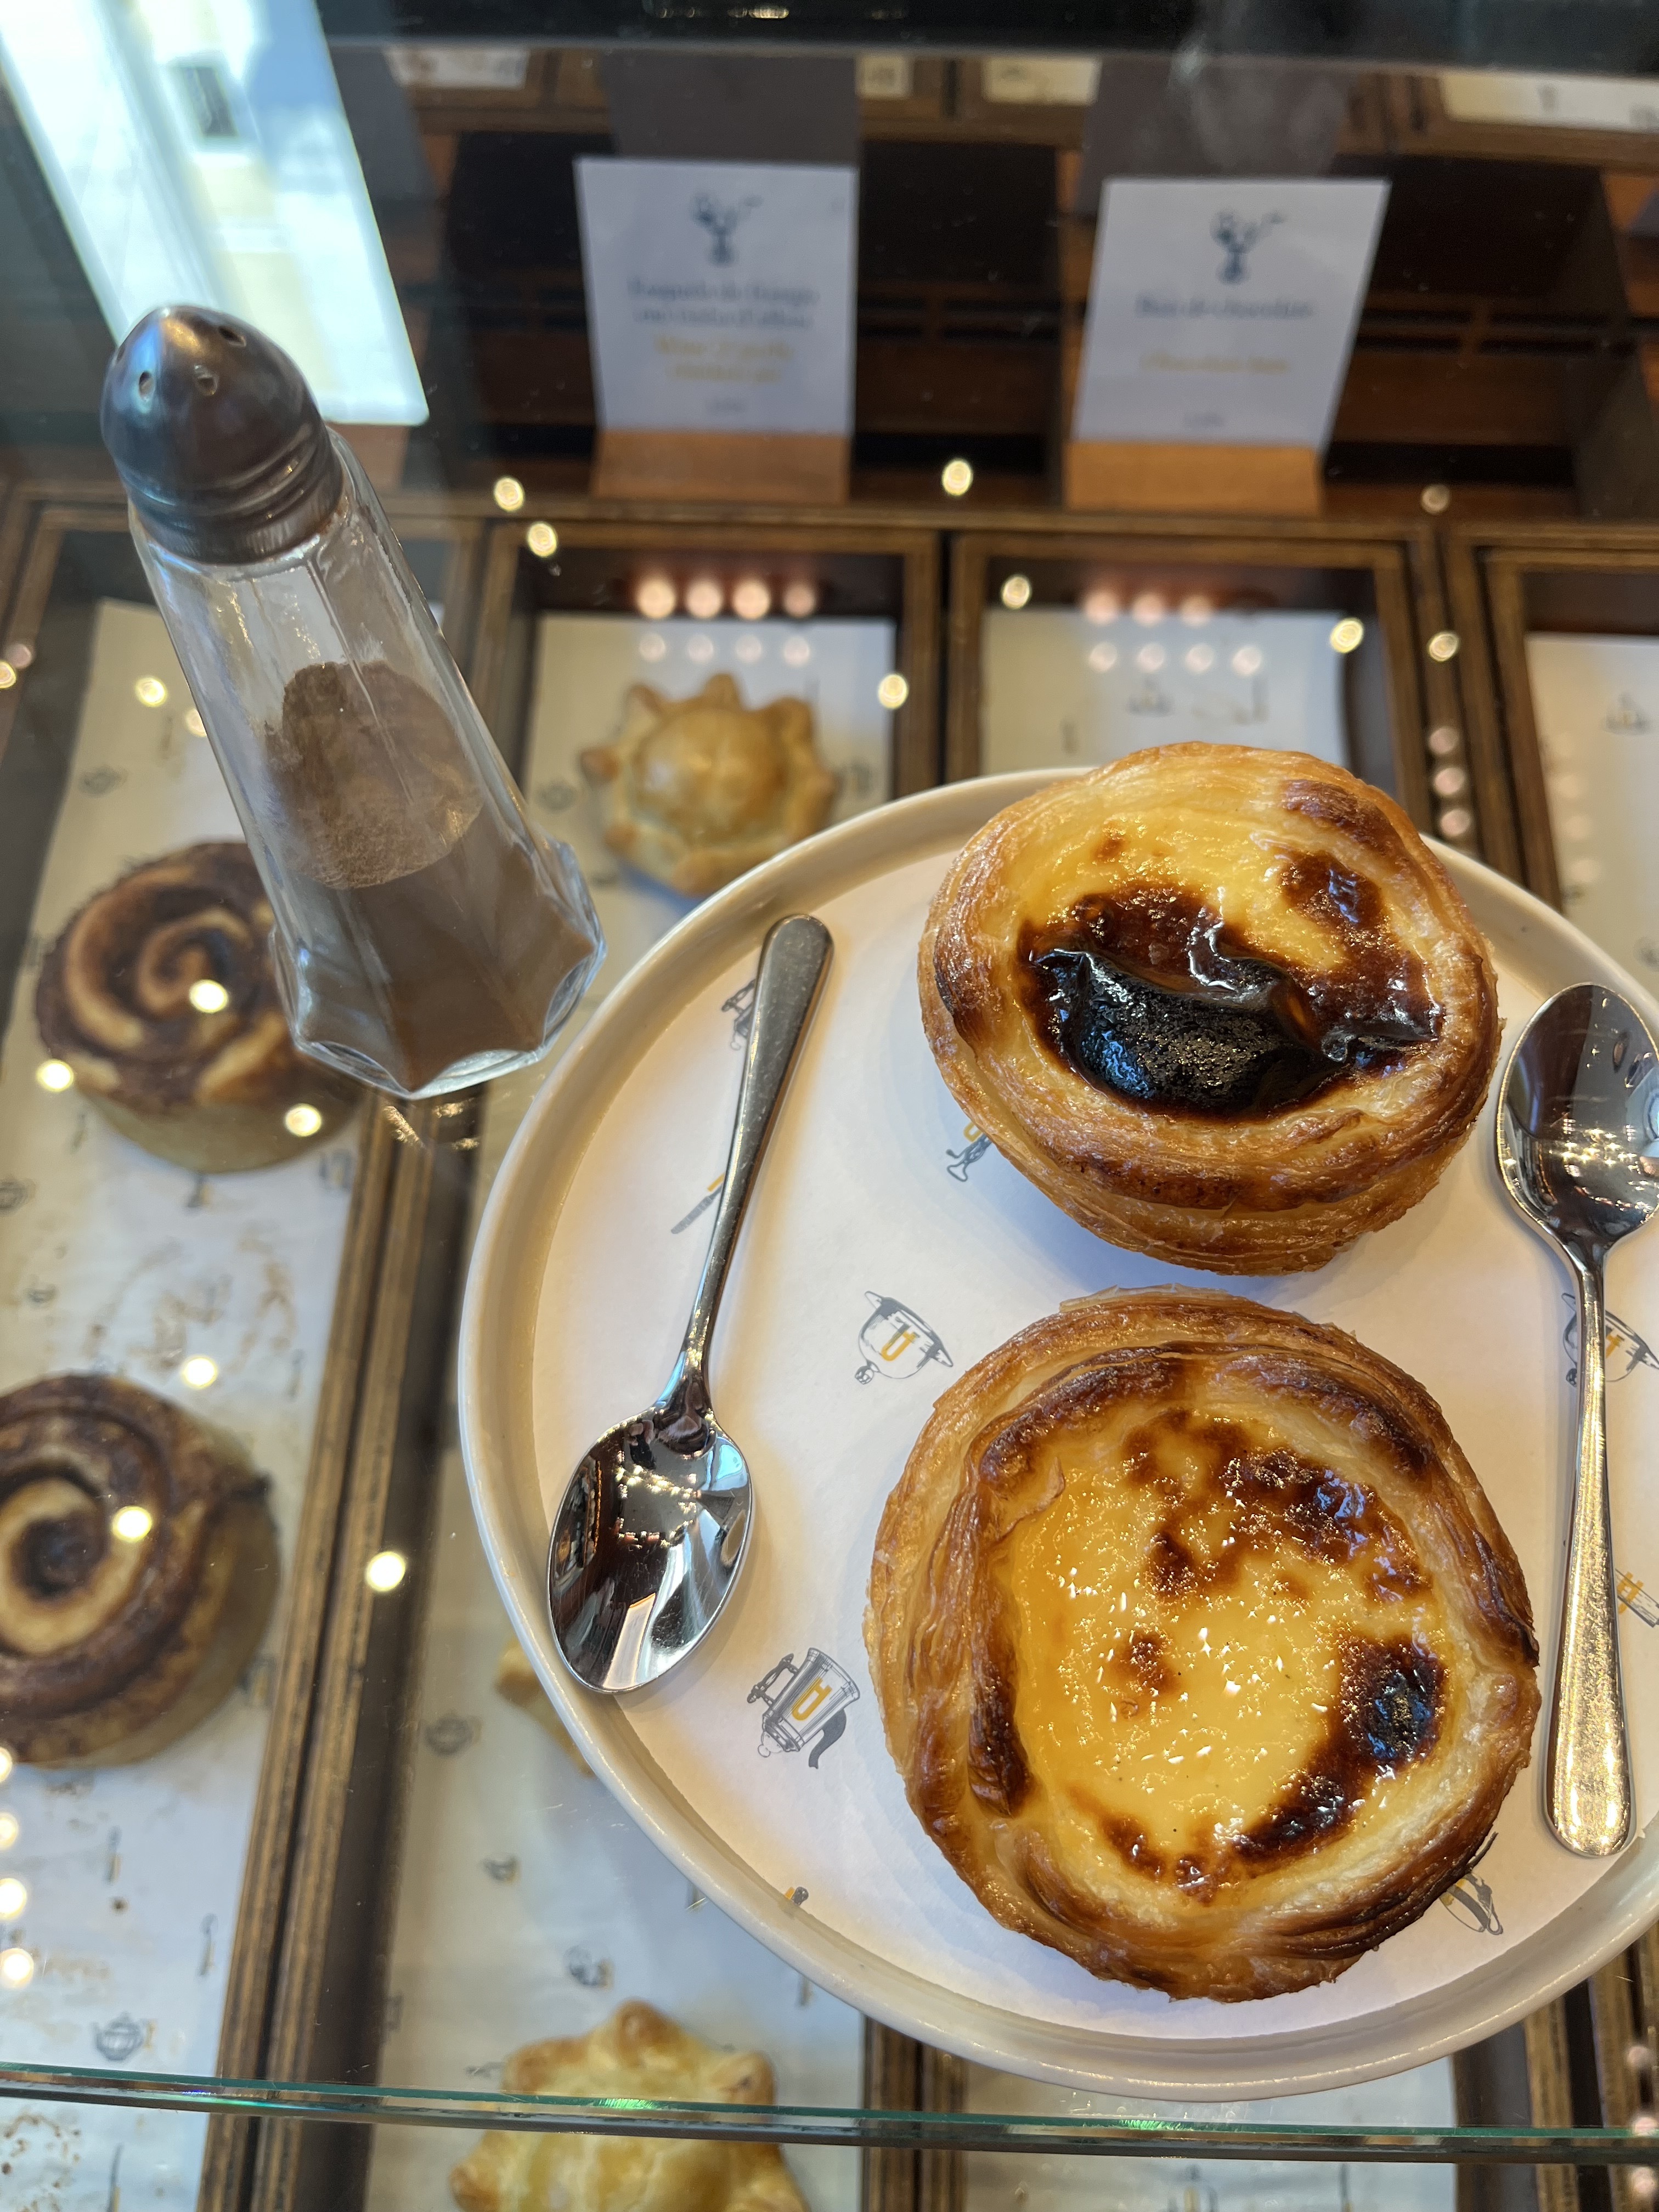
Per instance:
{"type": "Point", "coordinates": [137, 1569]}
{"type": "Point", "coordinates": [208, 1089]}
{"type": "Point", "coordinates": [697, 790]}
{"type": "Point", "coordinates": [1200, 1649]}
{"type": "Point", "coordinates": [1222, 1004]}
{"type": "Point", "coordinates": [637, 2052]}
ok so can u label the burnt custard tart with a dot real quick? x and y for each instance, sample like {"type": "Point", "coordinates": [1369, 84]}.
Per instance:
{"type": "Point", "coordinates": [1199, 1649]}
{"type": "Point", "coordinates": [1222, 1004]}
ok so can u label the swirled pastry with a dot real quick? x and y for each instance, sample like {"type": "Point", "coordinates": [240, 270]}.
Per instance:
{"type": "Point", "coordinates": [697, 790]}
{"type": "Point", "coordinates": [1201, 1651]}
{"type": "Point", "coordinates": [637, 2052]}
{"type": "Point", "coordinates": [1222, 1004]}
{"type": "Point", "coordinates": [138, 1567]}
{"type": "Point", "coordinates": [212, 1083]}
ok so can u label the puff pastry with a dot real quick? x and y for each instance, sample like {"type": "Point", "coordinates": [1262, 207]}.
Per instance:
{"type": "Point", "coordinates": [1200, 1649]}
{"type": "Point", "coordinates": [138, 1562]}
{"type": "Point", "coordinates": [637, 2052]}
{"type": "Point", "coordinates": [208, 1087]}
{"type": "Point", "coordinates": [697, 790]}
{"type": "Point", "coordinates": [1223, 1004]}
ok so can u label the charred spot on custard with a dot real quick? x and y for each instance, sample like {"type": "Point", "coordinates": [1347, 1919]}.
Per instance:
{"type": "Point", "coordinates": [1148, 995]}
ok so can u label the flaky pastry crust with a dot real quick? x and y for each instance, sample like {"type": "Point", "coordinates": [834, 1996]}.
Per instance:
{"type": "Point", "coordinates": [1275, 888]}
{"type": "Point", "coordinates": [637, 2053]}
{"type": "Point", "coordinates": [1199, 1647]}
{"type": "Point", "coordinates": [697, 790]}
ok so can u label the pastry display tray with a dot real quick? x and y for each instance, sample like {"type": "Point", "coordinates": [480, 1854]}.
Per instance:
{"type": "Point", "coordinates": [888, 1247]}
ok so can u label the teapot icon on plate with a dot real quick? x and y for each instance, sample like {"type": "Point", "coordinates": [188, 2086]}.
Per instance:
{"type": "Point", "coordinates": [804, 1704]}
{"type": "Point", "coordinates": [896, 1340]}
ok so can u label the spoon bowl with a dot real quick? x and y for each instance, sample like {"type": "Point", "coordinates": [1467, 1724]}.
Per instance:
{"type": "Point", "coordinates": [652, 1530]}
{"type": "Point", "coordinates": [1578, 1137]}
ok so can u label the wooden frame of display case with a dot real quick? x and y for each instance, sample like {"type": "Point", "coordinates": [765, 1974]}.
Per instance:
{"type": "Point", "coordinates": [1404, 580]}
{"type": "Point", "coordinates": [1502, 582]}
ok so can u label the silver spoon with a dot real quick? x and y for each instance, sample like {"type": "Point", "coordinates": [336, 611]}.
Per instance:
{"type": "Point", "coordinates": [654, 1528]}
{"type": "Point", "coordinates": [1578, 1150]}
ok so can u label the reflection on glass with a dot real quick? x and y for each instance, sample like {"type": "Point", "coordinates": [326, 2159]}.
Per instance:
{"type": "Point", "coordinates": [543, 539]}
{"type": "Point", "coordinates": [55, 1075]}
{"type": "Point", "coordinates": [704, 599]}
{"type": "Point", "coordinates": [656, 598]}
{"type": "Point", "coordinates": [892, 690]}
{"type": "Point", "coordinates": [750, 599]}
{"type": "Point", "coordinates": [1102, 606]}
{"type": "Point", "coordinates": [800, 599]}
{"type": "Point", "coordinates": [957, 476]}
{"type": "Point", "coordinates": [508, 493]}
{"type": "Point", "coordinates": [386, 1570]}
{"type": "Point", "coordinates": [199, 1372]}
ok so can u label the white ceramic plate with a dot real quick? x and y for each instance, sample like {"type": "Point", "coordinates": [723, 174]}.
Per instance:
{"type": "Point", "coordinates": [884, 1244]}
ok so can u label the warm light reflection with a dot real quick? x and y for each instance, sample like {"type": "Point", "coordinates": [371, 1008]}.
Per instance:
{"type": "Point", "coordinates": [17, 1968]}
{"type": "Point", "coordinates": [199, 1372]}
{"type": "Point", "coordinates": [1102, 604]}
{"type": "Point", "coordinates": [208, 997]}
{"type": "Point", "coordinates": [652, 646]}
{"type": "Point", "coordinates": [302, 1120]}
{"type": "Point", "coordinates": [800, 599]}
{"type": "Point", "coordinates": [133, 1523]}
{"type": "Point", "coordinates": [508, 495]}
{"type": "Point", "coordinates": [14, 1896]}
{"type": "Point", "coordinates": [892, 690]}
{"type": "Point", "coordinates": [1196, 609]}
{"type": "Point", "coordinates": [1149, 607]}
{"type": "Point", "coordinates": [55, 1075]}
{"type": "Point", "coordinates": [957, 476]}
{"type": "Point", "coordinates": [543, 540]}
{"type": "Point", "coordinates": [656, 598]}
{"type": "Point", "coordinates": [195, 725]}
{"type": "Point", "coordinates": [1442, 646]}
{"type": "Point", "coordinates": [8, 676]}
{"type": "Point", "coordinates": [1199, 657]}
{"type": "Point", "coordinates": [703, 598]}
{"type": "Point", "coordinates": [1103, 657]}
{"type": "Point", "coordinates": [750, 649]}
{"type": "Point", "coordinates": [1347, 633]}
{"type": "Point", "coordinates": [1151, 658]}
{"type": "Point", "coordinates": [797, 651]}
{"type": "Point", "coordinates": [1016, 592]}
{"type": "Point", "coordinates": [9, 1830]}
{"type": "Point", "coordinates": [151, 691]}
{"type": "Point", "coordinates": [1247, 660]}
{"type": "Point", "coordinates": [6, 1762]}
{"type": "Point", "coordinates": [700, 648]}
{"type": "Point", "coordinates": [386, 1570]}
{"type": "Point", "coordinates": [750, 599]}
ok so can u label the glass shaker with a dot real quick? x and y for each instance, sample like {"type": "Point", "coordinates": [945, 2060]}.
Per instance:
{"type": "Point", "coordinates": [427, 934]}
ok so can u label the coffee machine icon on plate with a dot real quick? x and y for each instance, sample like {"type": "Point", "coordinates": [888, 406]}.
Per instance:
{"type": "Point", "coordinates": [896, 1341]}
{"type": "Point", "coordinates": [804, 1704]}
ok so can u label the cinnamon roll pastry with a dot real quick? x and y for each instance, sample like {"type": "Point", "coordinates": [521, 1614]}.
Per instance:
{"type": "Point", "coordinates": [212, 1083]}
{"type": "Point", "coordinates": [637, 2052]}
{"type": "Point", "coordinates": [1222, 1004]}
{"type": "Point", "coordinates": [1200, 1649]}
{"type": "Point", "coordinates": [137, 1568]}
{"type": "Point", "coordinates": [697, 790]}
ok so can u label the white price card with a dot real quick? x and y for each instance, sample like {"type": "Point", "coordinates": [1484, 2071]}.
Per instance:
{"type": "Point", "coordinates": [720, 295]}
{"type": "Point", "coordinates": [1221, 310]}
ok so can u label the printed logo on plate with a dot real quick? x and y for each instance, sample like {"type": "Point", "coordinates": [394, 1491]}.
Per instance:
{"type": "Point", "coordinates": [805, 1706]}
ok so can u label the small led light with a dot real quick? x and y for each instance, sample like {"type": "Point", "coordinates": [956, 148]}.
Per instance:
{"type": "Point", "coordinates": [133, 1523]}
{"type": "Point", "coordinates": [1103, 657]}
{"type": "Point", "coordinates": [9, 1830]}
{"type": "Point", "coordinates": [17, 1968]}
{"type": "Point", "coordinates": [1442, 646]}
{"type": "Point", "coordinates": [55, 1075]}
{"type": "Point", "coordinates": [508, 493]}
{"type": "Point", "coordinates": [1347, 633]}
{"type": "Point", "coordinates": [800, 599]}
{"type": "Point", "coordinates": [1456, 822]}
{"type": "Point", "coordinates": [6, 1762]}
{"type": "Point", "coordinates": [1448, 781]}
{"type": "Point", "coordinates": [748, 648]}
{"type": "Point", "coordinates": [797, 651]}
{"type": "Point", "coordinates": [302, 1120]}
{"type": "Point", "coordinates": [1196, 609]}
{"type": "Point", "coordinates": [386, 1570]}
{"type": "Point", "coordinates": [199, 1372]}
{"type": "Point", "coordinates": [14, 1896]}
{"type": "Point", "coordinates": [750, 599]}
{"type": "Point", "coordinates": [1198, 657]}
{"type": "Point", "coordinates": [892, 690]}
{"type": "Point", "coordinates": [957, 476]}
{"type": "Point", "coordinates": [1016, 591]}
{"type": "Point", "coordinates": [704, 598]}
{"type": "Point", "coordinates": [543, 540]}
{"type": "Point", "coordinates": [1436, 498]}
{"type": "Point", "coordinates": [1247, 660]}
{"type": "Point", "coordinates": [656, 598]}
{"type": "Point", "coordinates": [1443, 740]}
{"type": "Point", "coordinates": [151, 691]}
{"type": "Point", "coordinates": [700, 648]}
{"type": "Point", "coordinates": [21, 655]}
{"type": "Point", "coordinates": [1149, 607]}
{"type": "Point", "coordinates": [208, 997]}
{"type": "Point", "coordinates": [8, 676]}
{"type": "Point", "coordinates": [1151, 658]}
{"type": "Point", "coordinates": [652, 646]}
{"type": "Point", "coordinates": [195, 725]}
{"type": "Point", "coordinates": [1102, 606]}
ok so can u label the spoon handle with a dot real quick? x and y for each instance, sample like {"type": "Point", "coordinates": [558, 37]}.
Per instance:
{"type": "Point", "coordinates": [1588, 1789]}
{"type": "Point", "coordinates": [795, 960]}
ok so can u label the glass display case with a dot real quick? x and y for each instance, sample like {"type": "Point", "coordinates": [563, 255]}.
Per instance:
{"type": "Point", "coordinates": [329, 1903]}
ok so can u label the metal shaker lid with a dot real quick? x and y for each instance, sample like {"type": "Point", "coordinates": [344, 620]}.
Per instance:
{"type": "Point", "coordinates": [216, 437]}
